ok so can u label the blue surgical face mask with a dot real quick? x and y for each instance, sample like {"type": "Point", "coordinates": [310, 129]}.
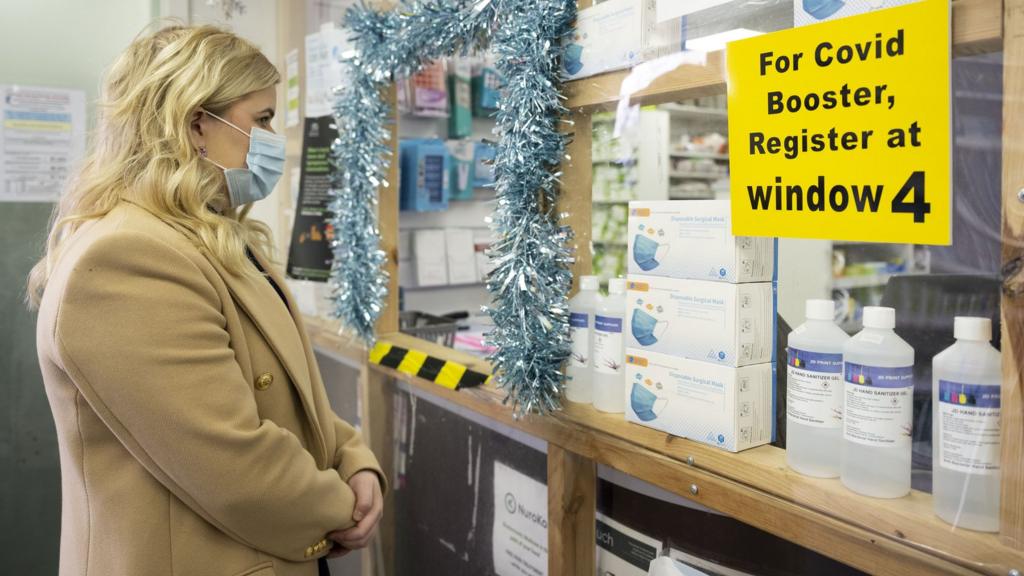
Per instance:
{"type": "Point", "coordinates": [265, 164]}
{"type": "Point", "coordinates": [821, 9]}
{"type": "Point", "coordinates": [646, 252]}
{"type": "Point", "coordinates": [646, 328]}
{"type": "Point", "coordinates": [643, 402]}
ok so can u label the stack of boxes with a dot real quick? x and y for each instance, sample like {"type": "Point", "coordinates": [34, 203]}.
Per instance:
{"type": "Point", "coordinates": [700, 325]}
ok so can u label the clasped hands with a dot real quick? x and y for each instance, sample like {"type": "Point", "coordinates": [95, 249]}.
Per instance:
{"type": "Point", "coordinates": [368, 509]}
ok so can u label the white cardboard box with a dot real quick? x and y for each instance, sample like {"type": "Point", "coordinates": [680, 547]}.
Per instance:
{"type": "Point", "coordinates": [461, 256]}
{"type": "Point", "coordinates": [726, 324]}
{"type": "Point", "coordinates": [729, 408]}
{"type": "Point", "coordinates": [607, 37]}
{"type": "Point", "coordinates": [693, 239]}
{"type": "Point", "coordinates": [430, 256]}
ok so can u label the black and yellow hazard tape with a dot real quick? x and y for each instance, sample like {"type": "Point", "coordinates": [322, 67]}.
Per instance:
{"type": "Point", "coordinates": [446, 373]}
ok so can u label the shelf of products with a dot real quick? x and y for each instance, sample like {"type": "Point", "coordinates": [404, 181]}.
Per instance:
{"type": "Point", "coordinates": [851, 282]}
{"type": "Point", "coordinates": [883, 536]}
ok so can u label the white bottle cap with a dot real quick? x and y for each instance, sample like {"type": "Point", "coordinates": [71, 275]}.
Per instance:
{"type": "Point", "coordinates": [972, 328]}
{"type": "Point", "coordinates": [589, 283]}
{"type": "Point", "coordinates": [617, 286]}
{"type": "Point", "coordinates": [879, 317]}
{"type": "Point", "coordinates": [820, 310]}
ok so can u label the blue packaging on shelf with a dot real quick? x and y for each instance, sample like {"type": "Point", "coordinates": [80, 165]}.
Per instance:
{"type": "Point", "coordinates": [425, 166]}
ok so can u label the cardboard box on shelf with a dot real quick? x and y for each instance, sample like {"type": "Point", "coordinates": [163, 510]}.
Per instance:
{"type": "Point", "coordinates": [693, 239]}
{"type": "Point", "coordinates": [729, 408]}
{"type": "Point", "coordinates": [726, 324]}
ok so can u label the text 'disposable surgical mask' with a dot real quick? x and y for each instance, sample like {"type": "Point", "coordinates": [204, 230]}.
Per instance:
{"type": "Point", "coordinates": [264, 161]}
{"type": "Point", "coordinates": [646, 405]}
{"type": "Point", "coordinates": [646, 328]}
{"type": "Point", "coordinates": [648, 253]}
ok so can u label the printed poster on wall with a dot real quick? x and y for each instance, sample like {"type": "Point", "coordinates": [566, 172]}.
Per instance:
{"type": "Point", "coordinates": [310, 256]}
{"type": "Point", "coordinates": [842, 130]}
{"type": "Point", "coordinates": [42, 137]}
{"type": "Point", "coordinates": [520, 533]}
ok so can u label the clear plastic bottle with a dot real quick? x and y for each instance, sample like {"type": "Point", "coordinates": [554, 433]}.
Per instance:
{"type": "Point", "coordinates": [966, 380]}
{"type": "Point", "coordinates": [814, 394]}
{"type": "Point", "coordinates": [609, 353]}
{"type": "Point", "coordinates": [878, 404]}
{"type": "Point", "coordinates": [579, 385]}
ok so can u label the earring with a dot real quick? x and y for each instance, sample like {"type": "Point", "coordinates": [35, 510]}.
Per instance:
{"type": "Point", "coordinates": [202, 151]}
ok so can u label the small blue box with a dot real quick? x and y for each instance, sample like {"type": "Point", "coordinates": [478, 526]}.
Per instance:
{"type": "Point", "coordinates": [425, 166]}
{"type": "Point", "coordinates": [483, 169]}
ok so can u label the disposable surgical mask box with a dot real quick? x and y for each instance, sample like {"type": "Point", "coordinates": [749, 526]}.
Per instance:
{"type": "Point", "coordinates": [608, 36]}
{"type": "Point", "coordinates": [693, 239]}
{"type": "Point", "coordinates": [729, 408]}
{"type": "Point", "coordinates": [725, 324]}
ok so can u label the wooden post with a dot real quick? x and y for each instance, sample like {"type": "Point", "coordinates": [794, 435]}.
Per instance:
{"type": "Point", "coordinates": [575, 197]}
{"type": "Point", "coordinates": [387, 214]}
{"type": "Point", "coordinates": [1012, 413]}
{"type": "Point", "coordinates": [291, 33]}
{"type": "Point", "coordinates": [572, 500]}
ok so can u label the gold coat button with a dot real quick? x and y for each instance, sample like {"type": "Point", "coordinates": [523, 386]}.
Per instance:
{"type": "Point", "coordinates": [264, 381]}
{"type": "Point", "coordinates": [309, 552]}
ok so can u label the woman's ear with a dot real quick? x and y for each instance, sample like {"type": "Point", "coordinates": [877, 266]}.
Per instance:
{"type": "Point", "coordinates": [196, 130]}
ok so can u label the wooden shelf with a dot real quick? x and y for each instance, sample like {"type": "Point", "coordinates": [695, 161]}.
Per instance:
{"type": "Point", "coordinates": [697, 175]}
{"type": "Point", "coordinates": [866, 281]}
{"type": "Point", "coordinates": [698, 111]}
{"type": "Point", "coordinates": [698, 155]}
{"type": "Point", "coordinates": [898, 537]}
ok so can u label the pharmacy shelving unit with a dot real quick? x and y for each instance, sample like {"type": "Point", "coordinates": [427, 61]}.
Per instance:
{"type": "Point", "coordinates": [643, 171]}
{"type": "Point", "coordinates": [855, 290]}
{"type": "Point", "coordinates": [891, 537]}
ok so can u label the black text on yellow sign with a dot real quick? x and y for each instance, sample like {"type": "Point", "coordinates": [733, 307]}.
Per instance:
{"type": "Point", "coordinates": [841, 130]}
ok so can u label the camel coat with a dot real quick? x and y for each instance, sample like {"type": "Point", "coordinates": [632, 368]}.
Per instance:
{"type": "Point", "coordinates": [195, 434]}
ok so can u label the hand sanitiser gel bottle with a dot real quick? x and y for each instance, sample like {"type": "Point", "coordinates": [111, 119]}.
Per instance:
{"type": "Point", "coordinates": [814, 392]}
{"type": "Point", "coordinates": [965, 427]}
{"type": "Point", "coordinates": [609, 353]}
{"type": "Point", "coordinates": [878, 403]}
{"type": "Point", "coordinates": [579, 373]}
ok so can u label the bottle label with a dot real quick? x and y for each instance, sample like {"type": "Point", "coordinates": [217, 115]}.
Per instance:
{"type": "Point", "coordinates": [607, 344]}
{"type": "Point", "coordinates": [814, 388]}
{"type": "Point", "coordinates": [879, 405]}
{"type": "Point", "coordinates": [579, 332]}
{"type": "Point", "coordinates": [969, 427]}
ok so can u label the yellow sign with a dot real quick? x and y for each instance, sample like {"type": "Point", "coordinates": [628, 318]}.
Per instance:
{"type": "Point", "coordinates": [841, 130]}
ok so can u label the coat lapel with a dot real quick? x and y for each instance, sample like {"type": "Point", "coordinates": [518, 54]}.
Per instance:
{"type": "Point", "coordinates": [279, 328]}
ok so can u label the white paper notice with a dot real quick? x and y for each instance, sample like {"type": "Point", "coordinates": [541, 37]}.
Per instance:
{"type": "Point", "coordinates": [292, 88]}
{"type": "Point", "coordinates": [42, 136]}
{"type": "Point", "coordinates": [520, 536]}
{"type": "Point", "coordinates": [324, 69]}
{"type": "Point", "coordinates": [669, 9]}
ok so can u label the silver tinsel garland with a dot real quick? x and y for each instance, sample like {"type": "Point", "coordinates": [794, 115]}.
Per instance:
{"type": "Point", "coordinates": [531, 279]}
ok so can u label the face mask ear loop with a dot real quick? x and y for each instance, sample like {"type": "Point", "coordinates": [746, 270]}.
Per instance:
{"type": "Point", "coordinates": [240, 131]}
{"type": "Point", "coordinates": [214, 162]}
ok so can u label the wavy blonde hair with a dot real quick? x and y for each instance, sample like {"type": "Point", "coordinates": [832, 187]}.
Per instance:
{"type": "Point", "coordinates": [142, 152]}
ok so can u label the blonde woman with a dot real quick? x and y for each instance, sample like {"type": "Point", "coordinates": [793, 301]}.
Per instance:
{"type": "Point", "coordinates": [195, 434]}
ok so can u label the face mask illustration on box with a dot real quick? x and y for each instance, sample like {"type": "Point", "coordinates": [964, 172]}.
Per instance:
{"type": "Point", "coordinates": [572, 59]}
{"type": "Point", "coordinates": [648, 253]}
{"type": "Point", "coordinates": [646, 328]}
{"type": "Point", "coordinates": [646, 405]}
{"type": "Point", "coordinates": [822, 9]}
